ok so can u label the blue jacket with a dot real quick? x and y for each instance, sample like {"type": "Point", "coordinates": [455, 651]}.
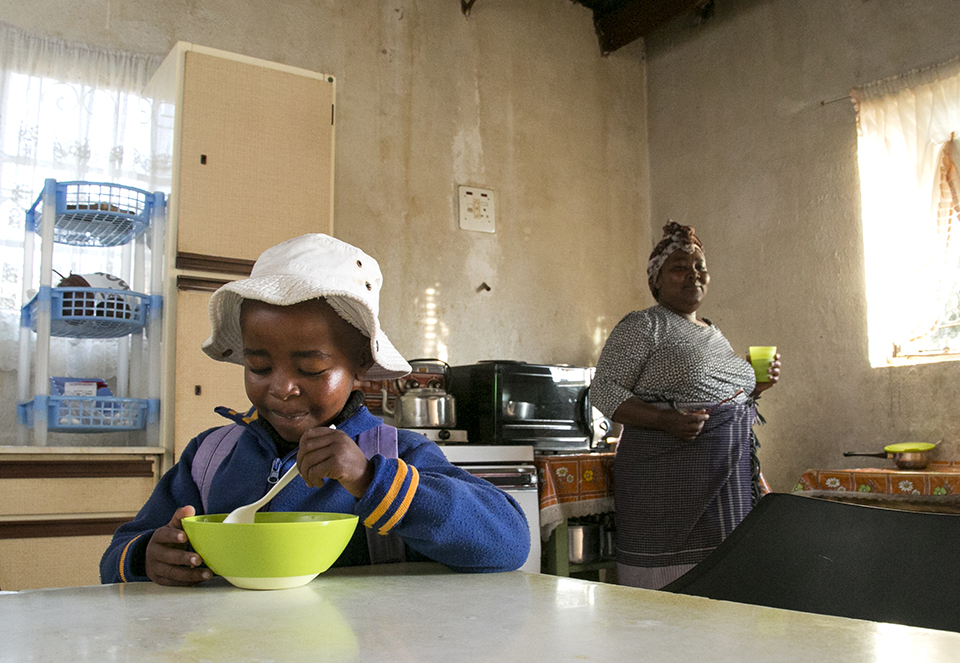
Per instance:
{"type": "Point", "coordinates": [441, 512]}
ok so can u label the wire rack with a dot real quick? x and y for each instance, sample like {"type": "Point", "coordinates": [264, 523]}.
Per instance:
{"type": "Point", "coordinates": [90, 312]}
{"type": "Point", "coordinates": [96, 213]}
{"type": "Point", "coordinates": [86, 414]}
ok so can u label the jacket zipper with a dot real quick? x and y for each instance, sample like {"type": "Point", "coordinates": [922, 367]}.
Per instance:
{"type": "Point", "coordinates": [275, 471]}
{"type": "Point", "coordinates": [274, 475]}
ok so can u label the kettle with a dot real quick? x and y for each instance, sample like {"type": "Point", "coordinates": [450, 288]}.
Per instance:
{"type": "Point", "coordinates": [421, 407]}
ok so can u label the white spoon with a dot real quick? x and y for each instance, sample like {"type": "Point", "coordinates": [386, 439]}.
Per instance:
{"type": "Point", "coordinates": [247, 514]}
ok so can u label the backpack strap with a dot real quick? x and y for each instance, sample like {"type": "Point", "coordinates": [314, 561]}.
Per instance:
{"type": "Point", "coordinates": [384, 548]}
{"type": "Point", "coordinates": [380, 440]}
{"type": "Point", "coordinates": [214, 448]}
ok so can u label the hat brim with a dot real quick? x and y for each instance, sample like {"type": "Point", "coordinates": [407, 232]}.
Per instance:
{"type": "Point", "coordinates": [226, 343]}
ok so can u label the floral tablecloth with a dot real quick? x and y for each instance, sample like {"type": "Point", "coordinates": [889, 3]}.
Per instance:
{"type": "Point", "coordinates": [572, 486]}
{"type": "Point", "coordinates": [938, 478]}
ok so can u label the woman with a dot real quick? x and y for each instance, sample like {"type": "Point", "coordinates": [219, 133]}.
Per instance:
{"type": "Point", "coordinates": [683, 469]}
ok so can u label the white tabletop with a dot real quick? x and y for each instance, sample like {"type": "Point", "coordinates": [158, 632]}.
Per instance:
{"type": "Point", "coordinates": [421, 612]}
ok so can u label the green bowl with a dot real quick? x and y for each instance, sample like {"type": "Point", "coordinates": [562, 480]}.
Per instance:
{"type": "Point", "coordinates": [278, 551]}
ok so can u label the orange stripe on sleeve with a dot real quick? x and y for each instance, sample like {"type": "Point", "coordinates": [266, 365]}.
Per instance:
{"type": "Point", "coordinates": [402, 509]}
{"type": "Point", "coordinates": [391, 495]}
{"type": "Point", "coordinates": [123, 556]}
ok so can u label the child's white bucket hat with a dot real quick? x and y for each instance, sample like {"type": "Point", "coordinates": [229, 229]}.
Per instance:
{"type": "Point", "coordinates": [298, 270]}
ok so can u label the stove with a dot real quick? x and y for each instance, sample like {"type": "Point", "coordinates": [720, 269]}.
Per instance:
{"type": "Point", "coordinates": [442, 435]}
{"type": "Point", "coordinates": [486, 454]}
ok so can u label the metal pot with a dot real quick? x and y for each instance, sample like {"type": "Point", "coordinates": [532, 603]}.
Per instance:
{"type": "Point", "coordinates": [518, 410]}
{"type": "Point", "coordinates": [584, 543]}
{"type": "Point", "coordinates": [907, 456]}
{"type": "Point", "coordinates": [608, 546]}
{"type": "Point", "coordinates": [423, 407]}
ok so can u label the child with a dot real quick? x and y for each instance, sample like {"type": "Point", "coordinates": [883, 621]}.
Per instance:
{"type": "Point", "coordinates": [305, 326]}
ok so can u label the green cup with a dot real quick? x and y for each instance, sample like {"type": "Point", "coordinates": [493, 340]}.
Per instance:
{"type": "Point", "coordinates": [760, 358]}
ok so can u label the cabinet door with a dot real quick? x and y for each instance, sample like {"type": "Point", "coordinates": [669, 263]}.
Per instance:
{"type": "Point", "coordinates": [39, 563]}
{"type": "Point", "coordinates": [201, 383]}
{"type": "Point", "coordinates": [256, 157]}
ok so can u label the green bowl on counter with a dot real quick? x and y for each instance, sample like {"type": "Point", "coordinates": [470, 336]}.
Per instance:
{"type": "Point", "coordinates": [279, 550]}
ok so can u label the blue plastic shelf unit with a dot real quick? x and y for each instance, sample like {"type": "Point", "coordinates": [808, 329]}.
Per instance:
{"type": "Point", "coordinates": [93, 215]}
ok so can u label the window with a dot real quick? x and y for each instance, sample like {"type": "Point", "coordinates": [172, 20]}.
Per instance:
{"type": "Point", "coordinates": [67, 112]}
{"type": "Point", "coordinates": [908, 135]}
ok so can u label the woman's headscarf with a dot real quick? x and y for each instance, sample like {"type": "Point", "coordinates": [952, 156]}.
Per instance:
{"type": "Point", "coordinates": [675, 237]}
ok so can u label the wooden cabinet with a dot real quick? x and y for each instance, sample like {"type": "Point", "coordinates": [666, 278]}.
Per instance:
{"type": "Point", "coordinates": [202, 383]}
{"type": "Point", "coordinates": [250, 146]}
{"type": "Point", "coordinates": [58, 511]}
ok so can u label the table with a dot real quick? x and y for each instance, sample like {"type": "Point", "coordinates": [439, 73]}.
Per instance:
{"type": "Point", "coordinates": [572, 486]}
{"type": "Point", "coordinates": [424, 613]}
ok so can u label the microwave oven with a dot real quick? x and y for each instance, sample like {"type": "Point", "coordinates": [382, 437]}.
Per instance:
{"type": "Point", "coordinates": [513, 402]}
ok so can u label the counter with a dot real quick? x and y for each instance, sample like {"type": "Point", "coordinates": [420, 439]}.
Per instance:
{"type": "Point", "coordinates": [67, 498]}
{"type": "Point", "coordinates": [572, 486]}
{"type": "Point", "coordinates": [938, 478]}
{"type": "Point", "coordinates": [424, 613]}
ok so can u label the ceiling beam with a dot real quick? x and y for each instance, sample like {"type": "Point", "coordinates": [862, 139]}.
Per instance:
{"type": "Point", "coordinates": [634, 19]}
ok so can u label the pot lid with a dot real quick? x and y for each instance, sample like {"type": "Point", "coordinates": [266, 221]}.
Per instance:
{"type": "Point", "coordinates": [908, 447]}
{"type": "Point", "coordinates": [424, 392]}
{"type": "Point", "coordinates": [428, 363]}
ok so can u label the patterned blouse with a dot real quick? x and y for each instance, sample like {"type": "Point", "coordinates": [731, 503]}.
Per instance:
{"type": "Point", "coordinates": [660, 356]}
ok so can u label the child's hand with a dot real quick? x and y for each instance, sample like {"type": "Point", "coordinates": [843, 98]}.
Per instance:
{"type": "Point", "coordinates": [326, 453]}
{"type": "Point", "coordinates": [167, 560]}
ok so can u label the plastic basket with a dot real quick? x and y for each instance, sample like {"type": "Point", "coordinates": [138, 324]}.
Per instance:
{"type": "Point", "coordinates": [96, 213]}
{"type": "Point", "coordinates": [86, 414]}
{"type": "Point", "coordinates": [89, 312]}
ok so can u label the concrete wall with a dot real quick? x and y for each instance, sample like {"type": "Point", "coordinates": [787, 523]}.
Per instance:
{"type": "Point", "coordinates": [515, 98]}
{"type": "Point", "coordinates": [753, 141]}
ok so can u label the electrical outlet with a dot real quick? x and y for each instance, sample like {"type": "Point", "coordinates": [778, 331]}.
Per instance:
{"type": "Point", "coordinates": [477, 209]}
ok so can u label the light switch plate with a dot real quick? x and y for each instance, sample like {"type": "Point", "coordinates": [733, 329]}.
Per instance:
{"type": "Point", "coordinates": [477, 209]}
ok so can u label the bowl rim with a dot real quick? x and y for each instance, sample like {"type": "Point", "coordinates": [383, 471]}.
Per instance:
{"type": "Point", "coordinates": [283, 518]}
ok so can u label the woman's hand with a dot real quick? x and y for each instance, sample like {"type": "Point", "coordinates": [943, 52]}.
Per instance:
{"type": "Point", "coordinates": [168, 562]}
{"type": "Point", "coordinates": [679, 423]}
{"type": "Point", "coordinates": [326, 453]}
{"type": "Point", "coordinates": [683, 424]}
{"type": "Point", "coordinates": [773, 372]}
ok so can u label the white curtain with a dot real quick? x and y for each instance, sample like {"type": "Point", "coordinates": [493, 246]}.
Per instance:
{"type": "Point", "coordinates": [906, 127]}
{"type": "Point", "coordinates": [68, 112]}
